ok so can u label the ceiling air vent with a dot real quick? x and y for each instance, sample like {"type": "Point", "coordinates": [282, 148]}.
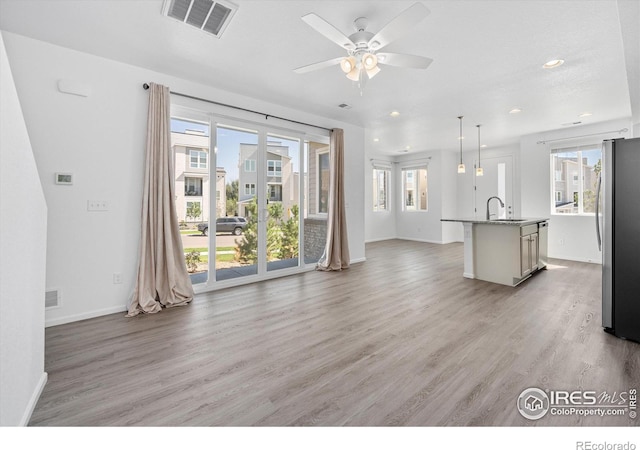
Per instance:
{"type": "Point", "coordinates": [207, 15]}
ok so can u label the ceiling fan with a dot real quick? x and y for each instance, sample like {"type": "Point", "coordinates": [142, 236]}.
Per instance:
{"type": "Point", "coordinates": [363, 47]}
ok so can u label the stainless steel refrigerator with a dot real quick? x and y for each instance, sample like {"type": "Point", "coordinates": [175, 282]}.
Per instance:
{"type": "Point", "coordinates": [618, 234]}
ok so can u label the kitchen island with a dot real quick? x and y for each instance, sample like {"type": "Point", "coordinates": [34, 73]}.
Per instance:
{"type": "Point", "coordinates": [504, 251]}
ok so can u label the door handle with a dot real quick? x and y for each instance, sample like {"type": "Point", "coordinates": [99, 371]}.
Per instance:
{"type": "Point", "coordinates": [598, 186]}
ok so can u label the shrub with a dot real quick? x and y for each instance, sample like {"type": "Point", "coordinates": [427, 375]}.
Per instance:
{"type": "Point", "coordinates": [192, 259]}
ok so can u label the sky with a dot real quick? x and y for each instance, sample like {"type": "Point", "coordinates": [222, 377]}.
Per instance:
{"type": "Point", "coordinates": [228, 143]}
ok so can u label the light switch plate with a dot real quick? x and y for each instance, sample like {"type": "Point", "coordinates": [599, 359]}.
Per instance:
{"type": "Point", "coordinates": [97, 205]}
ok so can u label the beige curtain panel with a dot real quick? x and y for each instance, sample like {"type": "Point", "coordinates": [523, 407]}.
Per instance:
{"type": "Point", "coordinates": [336, 251]}
{"type": "Point", "coordinates": [162, 279]}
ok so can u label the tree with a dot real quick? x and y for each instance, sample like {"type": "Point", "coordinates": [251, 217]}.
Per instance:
{"type": "Point", "coordinates": [247, 247]}
{"type": "Point", "coordinates": [193, 210]}
{"type": "Point", "coordinates": [232, 198]}
{"type": "Point", "coordinates": [282, 236]}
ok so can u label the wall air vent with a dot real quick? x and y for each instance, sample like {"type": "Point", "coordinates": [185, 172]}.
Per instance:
{"type": "Point", "coordinates": [207, 15]}
{"type": "Point", "coordinates": [52, 298]}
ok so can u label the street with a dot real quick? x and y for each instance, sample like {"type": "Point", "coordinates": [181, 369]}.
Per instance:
{"type": "Point", "coordinates": [197, 240]}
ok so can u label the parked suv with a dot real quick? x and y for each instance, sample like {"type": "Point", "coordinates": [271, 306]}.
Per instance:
{"type": "Point", "coordinates": [234, 225]}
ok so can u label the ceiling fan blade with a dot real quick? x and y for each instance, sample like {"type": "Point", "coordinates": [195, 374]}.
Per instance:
{"type": "Point", "coordinates": [399, 26]}
{"type": "Point", "coordinates": [318, 65]}
{"type": "Point", "coordinates": [329, 31]}
{"type": "Point", "coordinates": [400, 60]}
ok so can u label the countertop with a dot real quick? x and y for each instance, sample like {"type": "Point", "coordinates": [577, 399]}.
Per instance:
{"type": "Point", "coordinates": [515, 221]}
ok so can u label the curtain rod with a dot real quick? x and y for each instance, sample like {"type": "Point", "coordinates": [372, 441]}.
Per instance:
{"type": "Point", "coordinates": [266, 116]}
{"type": "Point", "coordinates": [623, 130]}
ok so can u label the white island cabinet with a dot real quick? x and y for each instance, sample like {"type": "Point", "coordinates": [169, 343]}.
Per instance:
{"type": "Point", "coordinates": [506, 251]}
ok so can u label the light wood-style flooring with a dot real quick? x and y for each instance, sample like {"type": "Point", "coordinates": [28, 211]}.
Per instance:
{"type": "Point", "coordinates": [400, 340]}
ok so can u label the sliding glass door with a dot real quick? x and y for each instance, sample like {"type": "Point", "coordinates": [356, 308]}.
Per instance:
{"type": "Point", "coordinates": [237, 232]}
{"type": "Point", "coordinates": [253, 200]}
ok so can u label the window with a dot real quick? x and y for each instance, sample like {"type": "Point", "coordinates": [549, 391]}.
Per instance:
{"type": "Point", "coordinates": [250, 189]}
{"type": "Point", "coordinates": [197, 159]}
{"type": "Point", "coordinates": [582, 166]}
{"type": "Point", "coordinates": [193, 186]}
{"type": "Point", "coordinates": [323, 183]}
{"type": "Point", "coordinates": [274, 168]}
{"type": "Point", "coordinates": [381, 189]}
{"type": "Point", "coordinates": [194, 210]}
{"type": "Point", "coordinates": [275, 192]}
{"type": "Point", "coordinates": [414, 189]}
{"type": "Point", "coordinates": [250, 165]}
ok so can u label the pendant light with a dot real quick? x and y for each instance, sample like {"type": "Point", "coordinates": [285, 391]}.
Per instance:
{"type": "Point", "coordinates": [479, 171]}
{"type": "Point", "coordinates": [461, 165]}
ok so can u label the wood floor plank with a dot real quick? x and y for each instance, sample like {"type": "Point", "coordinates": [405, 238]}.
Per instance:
{"type": "Point", "coordinates": [400, 340]}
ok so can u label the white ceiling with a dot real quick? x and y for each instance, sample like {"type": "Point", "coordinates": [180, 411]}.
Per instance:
{"type": "Point", "coordinates": [488, 58]}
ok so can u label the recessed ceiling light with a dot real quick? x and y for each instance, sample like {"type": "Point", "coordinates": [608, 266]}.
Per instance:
{"type": "Point", "coordinates": [460, 138]}
{"type": "Point", "coordinates": [408, 147]}
{"type": "Point", "coordinates": [585, 114]}
{"type": "Point", "coordinates": [394, 113]}
{"type": "Point", "coordinates": [553, 63]}
{"type": "Point", "coordinates": [483, 146]}
{"type": "Point", "coordinates": [515, 111]}
{"type": "Point", "coordinates": [376, 140]}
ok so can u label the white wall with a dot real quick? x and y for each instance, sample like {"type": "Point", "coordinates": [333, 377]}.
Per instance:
{"type": "Point", "coordinates": [570, 237]}
{"type": "Point", "coordinates": [23, 233]}
{"type": "Point", "coordinates": [101, 140]}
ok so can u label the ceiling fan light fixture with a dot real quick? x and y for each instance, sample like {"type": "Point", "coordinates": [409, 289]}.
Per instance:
{"type": "Point", "coordinates": [348, 64]}
{"type": "Point", "coordinates": [354, 75]}
{"type": "Point", "coordinates": [373, 72]}
{"type": "Point", "coordinates": [369, 61]}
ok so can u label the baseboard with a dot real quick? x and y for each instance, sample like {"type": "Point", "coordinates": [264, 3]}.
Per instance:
{"type": "Point", "coordinates": [33, 401]}
{"type": "Point", "coordinates": [428, 241]}
{"type": "Point", "coordinates": [380, 239]}
{"type": "Point", "coordinates": [83, 316]}
{"type": "Point", "coordinates": [573, 258]}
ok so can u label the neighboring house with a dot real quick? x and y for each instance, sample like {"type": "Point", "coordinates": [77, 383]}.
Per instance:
{"type": "Point", "coordinates": [567, 184]}
{"type": "Point", "coordinates": [191, 150]}
{"type": "Point", "coordinates": [282, 182]}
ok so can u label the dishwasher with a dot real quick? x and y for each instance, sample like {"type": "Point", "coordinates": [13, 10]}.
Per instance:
{"type": "Point", "coordinates": [543, 242]}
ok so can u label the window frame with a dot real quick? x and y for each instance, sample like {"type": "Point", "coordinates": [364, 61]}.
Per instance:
{"type": "Point", "coordinates": [276, 172]}
{"type": "Point", "coordinates": [376, 189]}
{"type": "Point", "coordinates": [198, 154]}
{"type": "Point", "coordinates": [569, 179]}
{"type": "Point", "coordinates": [319, 155]}
{"type": "Point", "coordinates": [414, 171]}
{"type": "Point", "coordinates": [250, 189]}
{"type": "Point", "coordinates": [187, 183]}
{"type": "Point", "coordinates": [249, 165]}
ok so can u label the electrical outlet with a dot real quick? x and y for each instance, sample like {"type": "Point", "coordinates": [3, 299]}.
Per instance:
{"type": "Point", "coordinates": [117, 278]}
{"type": "Point", "coordinates": [97, 205]}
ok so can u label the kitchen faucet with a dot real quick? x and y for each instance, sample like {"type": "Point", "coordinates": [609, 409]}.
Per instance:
{"type": "Point", "coordinates": [501, 205]}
